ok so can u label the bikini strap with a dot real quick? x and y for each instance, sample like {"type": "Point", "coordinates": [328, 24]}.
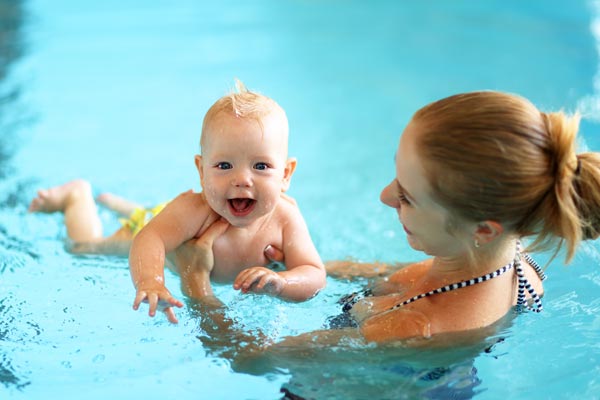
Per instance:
{"type": "Point", "coordinates": [457, 285]}
{"type": "Point", "coordinates": [523, 283]}
{"type": "Point", "coordinates": [534, 265]}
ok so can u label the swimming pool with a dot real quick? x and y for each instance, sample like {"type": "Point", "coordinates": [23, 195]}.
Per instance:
{"type": "Point", "coordinates": [115, 92]}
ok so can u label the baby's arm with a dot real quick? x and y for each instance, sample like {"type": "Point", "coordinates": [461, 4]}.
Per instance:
{"type": "Point", "coordinates": [179, 221]}
{"type": "Point", "coordinates": [305, 274]}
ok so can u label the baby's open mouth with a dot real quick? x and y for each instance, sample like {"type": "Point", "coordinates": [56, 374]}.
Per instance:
{"type": "Point", "coordinates": [241, 207]}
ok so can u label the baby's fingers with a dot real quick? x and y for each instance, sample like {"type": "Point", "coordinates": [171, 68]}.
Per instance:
{"type": "Point", "coordinates": [139, 298]}
{"type": "Point", "coordinates": [165, 303]}
{"type": "Point", "coordinates": [171, 315]}
{"type": "Point", "coordinates": [271, 283]}
{"type": "Point", "coordinates": [241, 278]}
{"type": "Point", "coordinates": [248, 278]}
{"type": "Point", "coordinates": [152, 304]}
{"type": "Point", "coordinates": [169, 301]}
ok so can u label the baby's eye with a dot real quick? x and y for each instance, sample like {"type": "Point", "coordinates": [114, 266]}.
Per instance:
{"type": "Point", "coordinates": [224, 165]}
{"type": "Point", "coordinates": [261, 166]}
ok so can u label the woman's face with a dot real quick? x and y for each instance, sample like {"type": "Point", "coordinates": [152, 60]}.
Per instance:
{"type": "Point", "coordinates": [423, 220]}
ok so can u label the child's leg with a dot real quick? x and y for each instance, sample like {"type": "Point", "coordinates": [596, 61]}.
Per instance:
{"type": "Point", "coordinates": [118, 204]}
{"type": "Point", "coordinates": [74, 199]}
{"type": "Point", "coordinates": [118, 243]}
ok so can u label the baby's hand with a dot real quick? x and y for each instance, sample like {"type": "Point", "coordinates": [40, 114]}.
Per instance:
{"type": "Point", "coordinates": [157, 297]}
{"type": "Point", "coordinates": [259, 280]}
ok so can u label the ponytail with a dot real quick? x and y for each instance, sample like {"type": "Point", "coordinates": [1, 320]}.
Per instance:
{"type": "Point", "coordinates": [559, 211]}
{"type": "Point", "coordinates": [587, 187]}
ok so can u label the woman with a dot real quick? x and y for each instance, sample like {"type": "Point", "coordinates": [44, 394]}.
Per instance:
{"type": "Point", "coordinates": [476, 173]}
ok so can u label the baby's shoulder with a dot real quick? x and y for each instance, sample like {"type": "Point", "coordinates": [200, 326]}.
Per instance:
{"type": "Point", "coordinates": [287, 213]}
{"type": "Point", "coordinates": [191, 198]}
{"type": "Point", "coordinates": [287, 207]}
{"type": "Point", "coordinates": [190, 203]}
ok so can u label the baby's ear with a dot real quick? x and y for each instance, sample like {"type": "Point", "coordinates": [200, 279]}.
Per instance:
{"type": "Point", "coordinates": [290, 167]}
{"type": "Point", "coordinates": [198, 162]}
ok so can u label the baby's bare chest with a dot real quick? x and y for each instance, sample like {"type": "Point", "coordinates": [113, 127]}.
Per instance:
{"type": "Point", "coordinates": [237, 251]}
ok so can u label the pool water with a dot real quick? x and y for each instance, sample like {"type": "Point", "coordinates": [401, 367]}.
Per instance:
{"type": "Point", "coordinates": [115, 92]}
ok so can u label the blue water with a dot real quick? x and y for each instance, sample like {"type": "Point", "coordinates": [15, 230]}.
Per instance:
{"type": "Point", "coordinates": [115, 92]}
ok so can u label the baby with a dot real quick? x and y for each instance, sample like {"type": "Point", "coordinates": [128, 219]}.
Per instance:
{"type": "Point", "coordinates": [244, 171]}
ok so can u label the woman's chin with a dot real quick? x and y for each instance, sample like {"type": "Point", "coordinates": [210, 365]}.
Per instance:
{"type": "Point", "coordinates": [413, 243]}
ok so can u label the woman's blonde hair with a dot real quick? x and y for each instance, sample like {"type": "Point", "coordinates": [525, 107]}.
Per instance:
{"type": "Point", "coordinates": [495, 156]}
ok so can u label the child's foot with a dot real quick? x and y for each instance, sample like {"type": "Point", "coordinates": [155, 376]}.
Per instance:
{"type": "Point", "coordinates": [57, 198]}
{"type": "Point", "coordinates": [117, 204]}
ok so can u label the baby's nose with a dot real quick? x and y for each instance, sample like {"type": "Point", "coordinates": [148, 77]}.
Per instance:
{"type": "Point", "coordinates": [242, 179]}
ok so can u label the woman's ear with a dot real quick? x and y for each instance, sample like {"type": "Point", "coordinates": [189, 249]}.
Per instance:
{"type": "Point", "coordinates": [487, 231]}
{"type": "Point", "coordinates": [290, 167]}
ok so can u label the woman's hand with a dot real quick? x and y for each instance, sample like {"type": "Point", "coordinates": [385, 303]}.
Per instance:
{"type": "Point", "coordinates": [274, 254]}
{"type": "Point", "coordinates": [197, 254]}
{"type": "Point", "coordinates": [195, 260]}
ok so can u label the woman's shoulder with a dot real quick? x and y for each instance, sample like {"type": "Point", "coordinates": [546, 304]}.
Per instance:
{"type": "Point", "coordinates": [411, 272]}
{"type": "Point", "coordinates": [395, 325]}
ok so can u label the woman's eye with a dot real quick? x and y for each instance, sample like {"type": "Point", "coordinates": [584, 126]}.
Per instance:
{"type": "Point", "coordinates": [403, 199]}
{"type": "Point", "coordinates": [261, 166]}
{"type": "Point", "coordinates": [224, 165]}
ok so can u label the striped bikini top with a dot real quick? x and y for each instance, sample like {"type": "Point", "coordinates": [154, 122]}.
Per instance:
{"type": "Point", "coordinates": [522, 303]}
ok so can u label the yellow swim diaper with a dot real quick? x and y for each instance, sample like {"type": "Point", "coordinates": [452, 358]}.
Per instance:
{"type": "Point", "coordinates": [140, 217]}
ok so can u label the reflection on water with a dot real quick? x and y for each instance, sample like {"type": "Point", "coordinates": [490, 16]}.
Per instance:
{"type": "Point", "coordinates": [11, 49]}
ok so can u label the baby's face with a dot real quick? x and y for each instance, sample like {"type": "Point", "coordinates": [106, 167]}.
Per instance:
{"type": "Point", "coordinates": [243, 168]}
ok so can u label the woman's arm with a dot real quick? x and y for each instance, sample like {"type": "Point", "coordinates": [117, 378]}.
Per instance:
{"type": "Point", "coordinates": [195, 260]}
{"type": "Point", "coordinates": [351, 269]}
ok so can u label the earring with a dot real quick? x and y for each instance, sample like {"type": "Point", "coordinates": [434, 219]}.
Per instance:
{"type": "Point", "coordinates": [476, 243]}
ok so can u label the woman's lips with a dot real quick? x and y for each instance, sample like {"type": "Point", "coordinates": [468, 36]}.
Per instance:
{"type": "Point", "coordinates": [406, 230]}
{"type": "Point", "coordinates": [241, 207]}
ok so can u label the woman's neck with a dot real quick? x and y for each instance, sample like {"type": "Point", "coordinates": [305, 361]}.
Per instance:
{"type": "Point", "coordinates": [482, 260]}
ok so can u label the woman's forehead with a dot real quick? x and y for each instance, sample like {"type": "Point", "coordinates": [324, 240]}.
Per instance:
{"type": "Point", "coordinates": [409, 168]}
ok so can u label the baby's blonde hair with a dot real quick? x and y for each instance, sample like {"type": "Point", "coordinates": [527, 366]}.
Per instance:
{"type": "Point", "coordinates": [242, 103]}
{"type": "Point", "coordinates": [495, 156]}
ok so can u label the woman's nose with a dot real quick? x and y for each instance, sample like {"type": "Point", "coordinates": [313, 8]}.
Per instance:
{"type": "Point", "coordinates": [387, 196]}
